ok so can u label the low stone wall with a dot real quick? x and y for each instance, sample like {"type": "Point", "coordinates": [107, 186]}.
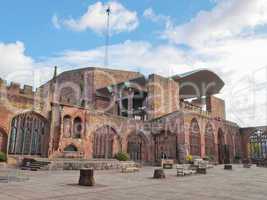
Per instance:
{"type": "Point", "coordinates": [79, 164]}
{"type": "Point", "coordinates": [3, 165]}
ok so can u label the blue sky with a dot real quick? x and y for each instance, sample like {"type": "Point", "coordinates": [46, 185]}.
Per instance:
{"type": "Point", "coordinates": [166, 37]}
{"type": "Point", "coordinates": [30, 22]}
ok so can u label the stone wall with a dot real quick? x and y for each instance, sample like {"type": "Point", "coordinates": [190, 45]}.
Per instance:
{"type": "Point", "coordinates": [216, 106]}
{"type": "Point", "coordinates": [163, 96]}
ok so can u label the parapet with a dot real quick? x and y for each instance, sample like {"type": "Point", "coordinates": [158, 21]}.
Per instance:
{"type": "Point", "coordinates": [16, 88]}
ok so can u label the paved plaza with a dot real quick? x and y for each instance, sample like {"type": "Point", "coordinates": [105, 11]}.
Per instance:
{"type": "Point", "coordinates": [239, 184]}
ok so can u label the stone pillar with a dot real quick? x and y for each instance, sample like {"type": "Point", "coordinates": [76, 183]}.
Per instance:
{"type": "Point", "coordinates": [130, 102]}
{"type": "Point", "coordinates": [114, 106]}
{"type": "Point", "coordinates": [87, 177]}
{"type": "Point", "coordinates": [120, 104]}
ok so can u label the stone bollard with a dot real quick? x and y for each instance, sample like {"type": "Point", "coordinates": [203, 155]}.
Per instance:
{"type": "Point", "coordinates": [159, 174]}
{"type": "Point", "coordinates": [87, 177]}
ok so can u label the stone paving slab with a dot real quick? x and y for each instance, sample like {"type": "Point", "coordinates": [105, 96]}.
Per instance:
{"type": "Point", "coordinates": [239, 184]}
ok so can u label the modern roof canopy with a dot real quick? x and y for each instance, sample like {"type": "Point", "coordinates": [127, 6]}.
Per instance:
{"type": "Point", "coordinates": [198, 83]}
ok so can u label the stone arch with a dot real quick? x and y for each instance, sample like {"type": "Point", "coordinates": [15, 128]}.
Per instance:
{"type": "Point", "coordinates": [209, 140]}
{"type": "Point", "coordinates": [71, 148]}
{"type": "Point", "coordinates": [3, 140]}
{"type": "Point", "coordinates": [195, 138]}
{"type": "Point", "coordinates": [221, 146]}
{"type": "Point", "coordinates": [29, 134]}
{"type": "Point", "coordinates": [67, 126]}
{"type": "Point", "coordinates": [105, 142]}
{"type": "Point", "coordinates": [69, 93]}
{"type": "Point", "coordinates": [77, 127]}
{"type": "Point", "coordinates": [165, 145]}
{"type": "Point", "coordinates": [137, 146]}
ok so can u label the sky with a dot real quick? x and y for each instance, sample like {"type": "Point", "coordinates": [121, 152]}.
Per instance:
{"type": "Point", "coordinates": [166, 37]}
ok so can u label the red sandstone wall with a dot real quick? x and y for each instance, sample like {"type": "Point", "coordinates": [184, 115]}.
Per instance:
{"type": "Point", "coordinates": [163, 96]}
{"type": "Point", "coordinates": [216, 106]}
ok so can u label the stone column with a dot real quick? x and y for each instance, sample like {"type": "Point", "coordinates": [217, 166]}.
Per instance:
{"type": "Point", "coordinates": [120, 104]}
{"type": "Point", "coordinates": [130, 102]}
{"type": "Point", "coordinates": [114, 106]}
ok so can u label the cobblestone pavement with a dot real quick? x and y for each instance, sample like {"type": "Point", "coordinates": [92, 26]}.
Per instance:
{"type": "Point", "coordinates": [239, 184]}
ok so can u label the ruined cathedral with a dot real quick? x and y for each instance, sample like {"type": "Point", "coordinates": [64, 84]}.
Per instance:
{"type": "Point", "coordinates": [94, 113]}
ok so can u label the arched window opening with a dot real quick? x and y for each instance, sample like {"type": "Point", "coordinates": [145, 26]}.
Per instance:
{"type": "Point", "coordinates": [165, 146]}
{"type": "Point", "coordinates": [136, 147]}
{"type": "Point", "coordinates": [104, 139]}
{"type": "Point", "coordinates": [209, 141]}
{"type": "Point", "coordinates": [67, 126]}
{"type": "Point", "coordinates": [70, 148]}
{"type": "Point", "coordinates": [69, 96]}
{"type": "Point", "coordinates": [29, 135]}
{"type": "Point", "coordinates": [77, 127]}
{"type": "Point", "coordinates": [195, 139]}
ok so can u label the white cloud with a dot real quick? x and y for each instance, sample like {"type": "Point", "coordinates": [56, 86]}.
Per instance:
{"type": "Point", "coordinates": [16, 66]}
{"type": "Point", "coordinates": [13, 58]}
{"type": "Point", "coordinates": [240, 62]}
{"type": "Point", "coordinates": [56, 22]}
{"type": "Point", "coordinates": [218, 40]}
{"type": "Point", "coordinates": [157, 18]}
{"type": "Point", "coordinates": [121, 19]}
{"type": "Point", "coordinates": [228, 18]}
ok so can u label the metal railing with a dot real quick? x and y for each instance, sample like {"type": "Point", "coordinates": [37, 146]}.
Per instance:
{"type": "Point", "coordinates": [193, 108]}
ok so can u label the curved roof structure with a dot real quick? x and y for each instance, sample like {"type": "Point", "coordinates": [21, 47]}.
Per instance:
{"type": "Point", "coordinates": [198, 83]}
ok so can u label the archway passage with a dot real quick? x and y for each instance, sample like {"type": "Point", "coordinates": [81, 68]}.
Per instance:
{"type": "Point", "coordinates": [3, 141]}
{"type": "Point", "coordinates": [165, 146]}
{"type": "Point", "coordinates": [195, 139]}
{"type": "Point", "coordinates": [136, 147]}
{"type": "Point", "coordinates": [104, 141]}
{"type": "Point", "coordinates": [258, 145]}
{"type": "Point", "coordinates": [221, 147]}
{"type": "Point", "coordinates": [209, 141]}
{"type": "Point", "coordinates": [29, 135]}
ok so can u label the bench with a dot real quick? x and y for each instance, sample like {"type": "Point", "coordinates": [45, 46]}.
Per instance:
{"type": "Point", "coordinates": [167, 163]}
{"type": "Point", "coordinates": [183, 170]}
{"type": "Point", "coordinates": [129, 168]}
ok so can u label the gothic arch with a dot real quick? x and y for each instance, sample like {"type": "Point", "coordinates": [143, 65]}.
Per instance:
{"type": "Point", "coordinates": [69, 93]}
{"type": "Point", "coordinates": [67, 126]}
{"type": "Point", "coordinates": [209, 140]}
{"type": "Point", "coordinates": [195, 138]}
{"type": "Point", "coordinates": [137, 146]}
{"type": "Point", "coordinates": [29, 134]}
{"type": "Point", "coordinates": [77, 127]}
{"type": "Point", "coordinates": [105, 141]}
{"type": "Point", "coordinates": [165, 145]}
